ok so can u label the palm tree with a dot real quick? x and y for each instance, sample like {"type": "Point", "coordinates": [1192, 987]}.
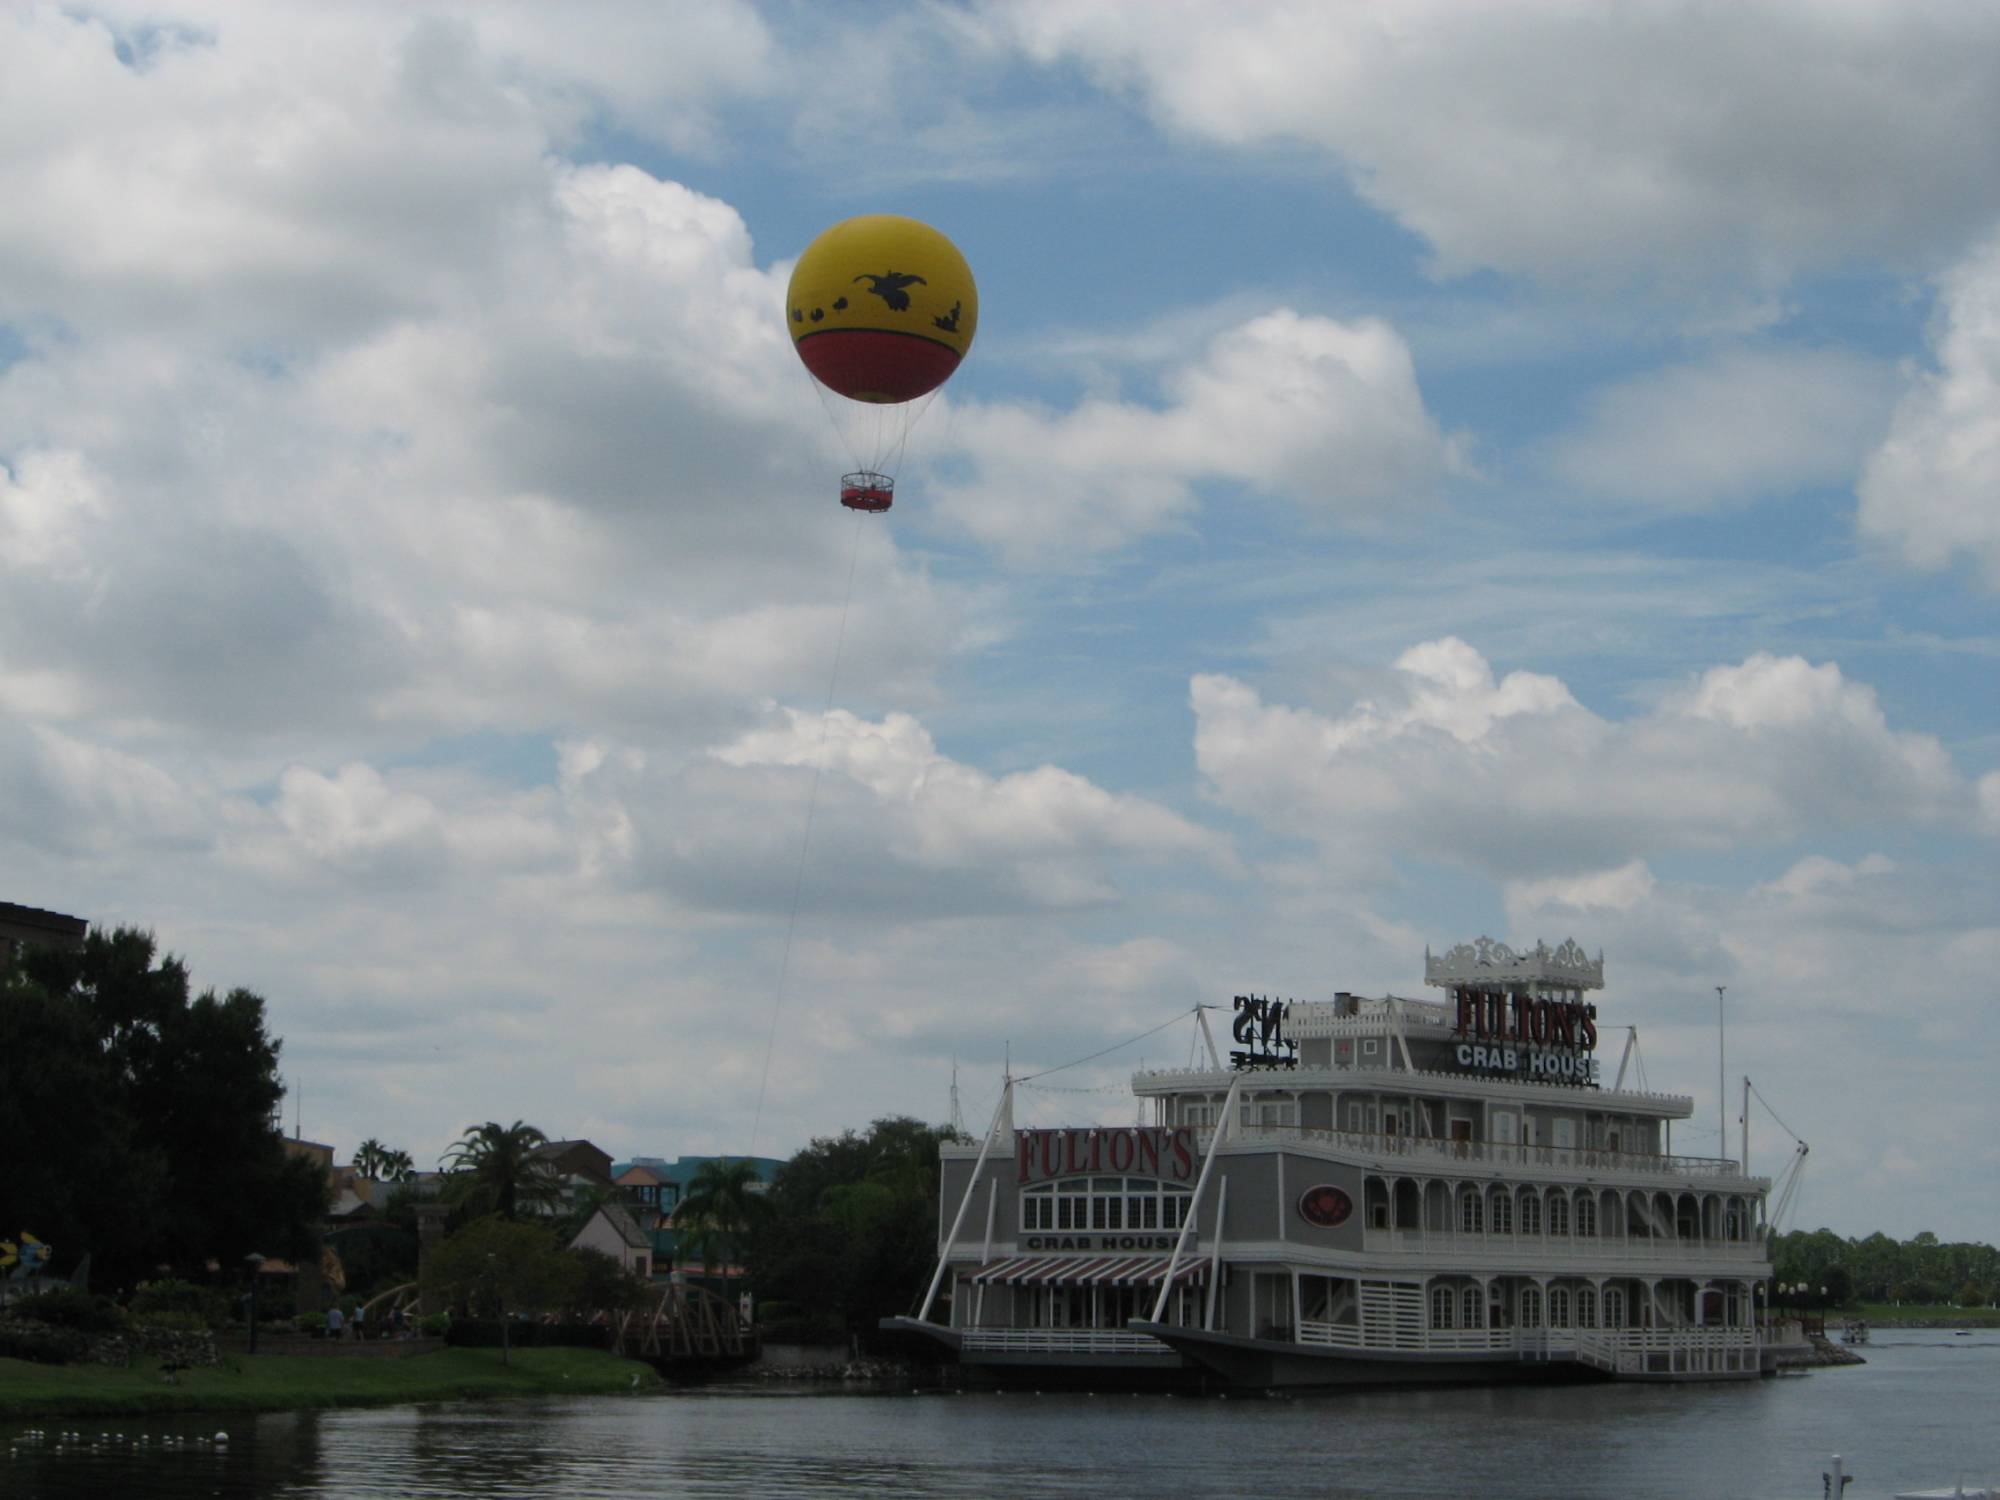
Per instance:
{"type": "Point", "coordinates": [370, 1158]}
{"type": "Point", "coordinates": [721, 1204]}
{"type": "Point", "coordinates": [495, 1170]}
{"type": "Point", "coordinates": [397, 1166]}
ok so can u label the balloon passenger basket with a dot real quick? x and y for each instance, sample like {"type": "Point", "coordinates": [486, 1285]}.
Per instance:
{"type": "Point", "coordinates": [867, 491]}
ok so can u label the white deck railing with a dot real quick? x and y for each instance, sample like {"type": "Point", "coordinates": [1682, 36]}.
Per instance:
{"type": "Point", "coordinates": [1564, 1253]}
{"type": "Point", "coordinates": [1424, 1150]}
{"type": "Point", "coordinates": [1604, 1347]}
{"type": "Point", "coordinates": [1151, 1081]}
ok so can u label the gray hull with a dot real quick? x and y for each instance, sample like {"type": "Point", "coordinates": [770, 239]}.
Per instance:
{"type": "Point", "coordinates": [1269, 1364]}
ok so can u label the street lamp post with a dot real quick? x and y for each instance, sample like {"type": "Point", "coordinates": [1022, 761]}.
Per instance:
{"type": "Point", "coordinates": [499, 1302]}
{"type": "Point", "coordinates": [256, 1263]}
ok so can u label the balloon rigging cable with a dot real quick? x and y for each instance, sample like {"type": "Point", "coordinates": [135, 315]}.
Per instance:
{"type": "Point", "coordinates": [805, 837]}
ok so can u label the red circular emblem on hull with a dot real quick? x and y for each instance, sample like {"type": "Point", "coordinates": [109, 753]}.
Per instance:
{"type": "Point", "coordinates": [866, 365]}
{"type": "Point", "coordinates": [1328, 1207]}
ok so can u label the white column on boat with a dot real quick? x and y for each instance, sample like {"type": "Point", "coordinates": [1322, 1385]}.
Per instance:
{"type": "Point", "coordinates": [1214, 1257]}
{"type": "Point", "coordinates": [985, 1253]}
{"type": "Point", "coordinates": [1003, 1111]}
{"type": "Point", "coordinates": [1283, 1217]}
{"type": "Point", "coordinates": [1222, 1127]}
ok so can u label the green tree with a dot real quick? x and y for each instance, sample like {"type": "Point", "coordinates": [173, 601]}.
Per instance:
{"type": "Point", "coordinates": [75, 1171]}
{"type": "Point", "coordinates": [369, 1157]}
{"type": "Point", "coordinates": [380, 1163]}
{"type": "Point", "coordinates": [497, 1269]}
{"type": "Point", "coordinates": [190, 1087]}
{"type": "Point", "coordinates": [851, 1231]}
{"type": "Point", "coordinates": [494, 1169]}
{"type": "Point", "coordinates": [597, 1283]}
{"type": "Point", "coordinates": [720, 1208]}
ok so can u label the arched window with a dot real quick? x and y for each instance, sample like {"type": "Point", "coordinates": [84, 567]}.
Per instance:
{"type": "Point", "coordinates": [1558, 1307]}
{"type": "Point", "coordinates": [1586, 1213]}
{"type": "Point", "coordinates": [1503, 1211]}
{"type": "Point", "coordinates": [1469, 1305]}
{"type": "Point", "coordinates": [1442, 1303]}
{"type": "Point", "coordinates": [1614, 1307]}
{"type": "Point", "coordinates": [1559, 1217]}
{"type": "Point", "coordinates": [1470, 1219]}
{"type": "Point", "coordinates": [1531, 1307]}
{"type": "Point", "coordinates": [1586, 1307]}
{"type": "Point", "coordinates": [1531, 1211]}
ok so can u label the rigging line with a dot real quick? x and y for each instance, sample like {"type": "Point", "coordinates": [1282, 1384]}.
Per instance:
{"type": "Point", "coordinates": [1114, 1047]}
{"type": "Point", "coordinates": [805, 837]}
{"type": "Point", "coordinates": [1773, 1113]}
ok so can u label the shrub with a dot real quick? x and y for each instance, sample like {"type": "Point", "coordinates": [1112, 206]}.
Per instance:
{"type": "Point", "coordinates": [72, 1307]}
{"type": "Point", "coordinates": [434, 1325]}
{"type": "Point", "coordinates": [43, 1343]}
{"type": "Point", "coordinates": [171, 1321]}
{"type": "Point", "coordinates": [310, 1322]}
{"type": "Point", "coordinates": [171, 1295]}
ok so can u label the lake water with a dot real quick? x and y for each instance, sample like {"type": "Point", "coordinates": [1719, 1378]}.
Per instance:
{"type": "Point", "coordinates": [1921, 1413]}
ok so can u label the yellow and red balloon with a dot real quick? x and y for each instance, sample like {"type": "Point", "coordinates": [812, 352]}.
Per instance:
{"type": "Point", "coordinates": [882, 308]}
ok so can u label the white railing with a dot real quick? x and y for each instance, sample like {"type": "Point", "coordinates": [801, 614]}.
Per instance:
{"type": "Point", "coordinates": [1564, 1252]}
{"type": "Point", "coordinates": [1576, 1161]}
{"type": "Point", "coordinates": [1607, 1348]}
{"type": "Point", "coordinates": [1059, 1341]}
{"type": "Point", "coordinates": [1176, 1080]}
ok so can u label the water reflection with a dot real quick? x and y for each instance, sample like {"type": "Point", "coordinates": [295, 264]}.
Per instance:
{"type": "Point", "coordinates": [1919, 1414]}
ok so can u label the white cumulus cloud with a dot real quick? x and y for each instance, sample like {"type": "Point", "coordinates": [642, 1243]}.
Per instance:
{"type": "Point", "coordinates": [1516, 778]}
{"type": "Point", "coordinates": [1932, 489]}
{"type": "Point", "coordinates": [1555, 140]}
{"type": "Point", "coordinates": [1321, 414]}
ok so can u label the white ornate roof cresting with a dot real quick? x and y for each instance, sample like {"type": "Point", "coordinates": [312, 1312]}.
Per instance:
{"type": "Point", "coordinates": [1490, 962]}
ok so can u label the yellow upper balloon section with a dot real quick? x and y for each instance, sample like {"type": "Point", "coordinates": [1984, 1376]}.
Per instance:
{"type": "Point", "coordinates": [883, 274]}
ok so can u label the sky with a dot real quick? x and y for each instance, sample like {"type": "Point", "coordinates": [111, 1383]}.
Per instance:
{"type": "Point", "coordinates": [1425, 471]}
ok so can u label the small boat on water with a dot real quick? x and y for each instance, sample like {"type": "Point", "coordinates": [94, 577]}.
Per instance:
{"type": "Point", "coordinates": [1854, 1331]}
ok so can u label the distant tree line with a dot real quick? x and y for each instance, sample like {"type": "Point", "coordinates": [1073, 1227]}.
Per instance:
{"type": "Point", "coordinates": [1922, 1269]}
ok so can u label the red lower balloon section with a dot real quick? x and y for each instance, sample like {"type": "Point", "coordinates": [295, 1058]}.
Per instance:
{"type": "Point", "coordinates": [867, 365]}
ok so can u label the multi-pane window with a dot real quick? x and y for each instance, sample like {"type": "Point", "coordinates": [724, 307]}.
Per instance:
{"type": "Point", "coordinates": [1531, 1211]}
{"type": "Point", "coordinates": [1586, 1307]}
{"type": "Point", "coordinates": [1470, 1305]}
{"type": "Point", "coordinates": [1614, 1307]}
{"type": "Point", "coordinates": [1268, 1109]}
{"type": "Point", "coordinates": [1586, 1214]}
{"type": "Point", "coordinates": [1503, 1212]}
{"type": "Point", "coordinates": [1441, 1306]}
{"type": "Point", "coordinates": [1531, 1307]}
{"type": "Point", "coordinates": [1558, 1307]}
{"type": "Point", "coordinates": [1080, 1204]}
{"type": "Point", "coordinates": [1469, 1216]}
{"type": "Point", "coordinates": [1559, 1214]}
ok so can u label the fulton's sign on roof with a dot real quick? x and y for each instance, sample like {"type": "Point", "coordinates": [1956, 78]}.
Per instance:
{"type": "Point", "coordinates": [1143, 1150]}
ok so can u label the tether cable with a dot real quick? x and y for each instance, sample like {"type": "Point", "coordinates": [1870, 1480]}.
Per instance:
{"type": "Point", "coordinates": [805, 837]}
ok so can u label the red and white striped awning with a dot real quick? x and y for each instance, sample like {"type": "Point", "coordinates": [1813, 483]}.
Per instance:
{"type": "Point", "coordinates": [1085, 1270]}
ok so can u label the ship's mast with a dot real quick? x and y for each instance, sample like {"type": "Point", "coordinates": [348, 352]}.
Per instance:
{"type": "Point", "coordinates": [1721, 1080]}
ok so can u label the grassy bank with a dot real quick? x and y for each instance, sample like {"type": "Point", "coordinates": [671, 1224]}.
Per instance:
{"type": "Point", "coordinates": [286, 1382]}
